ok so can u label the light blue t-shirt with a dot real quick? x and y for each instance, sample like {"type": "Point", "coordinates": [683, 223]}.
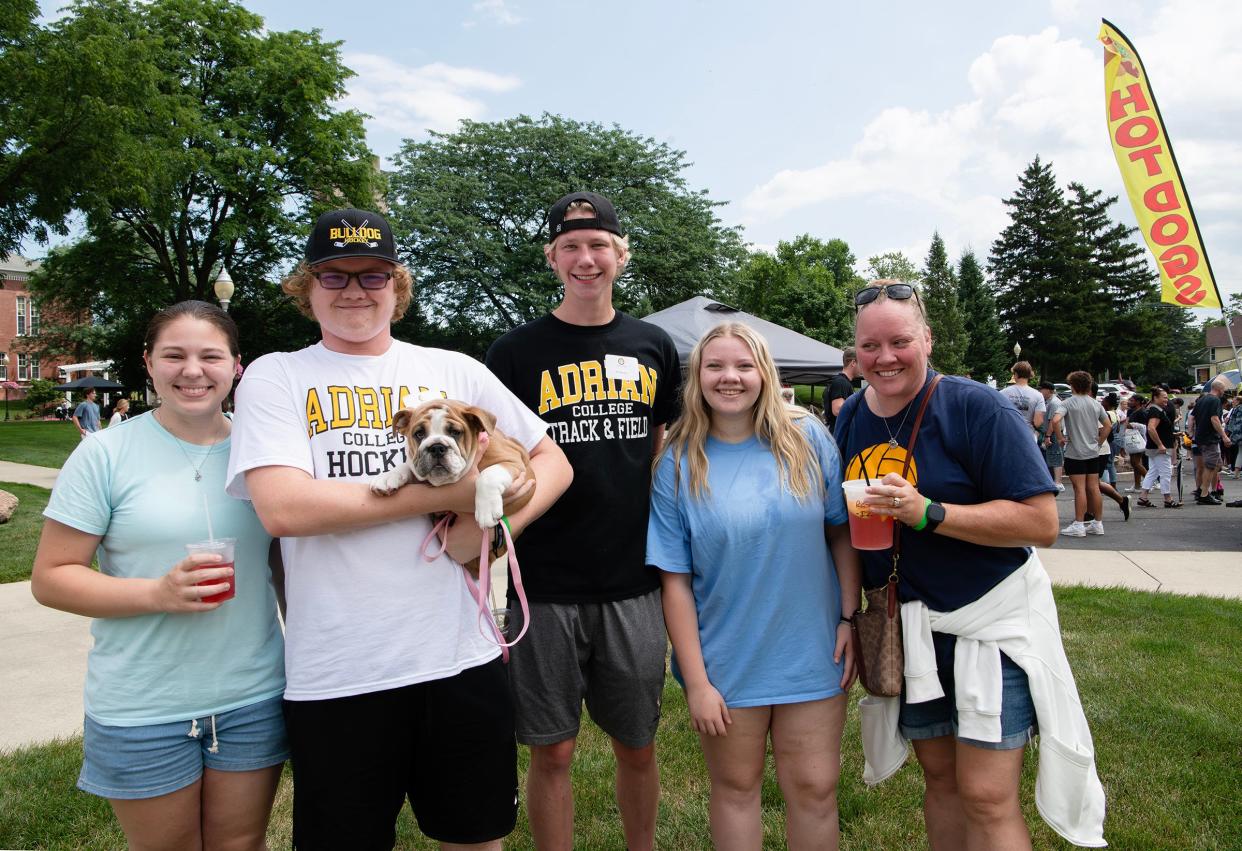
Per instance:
{"type": "Point", "coordinates": [134, 485]}
{"type": "Point", "coordinates": [764, 582]}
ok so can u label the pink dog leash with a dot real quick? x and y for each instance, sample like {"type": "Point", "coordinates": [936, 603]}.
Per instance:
{"type": "Point", "coordinates": [479, 590]}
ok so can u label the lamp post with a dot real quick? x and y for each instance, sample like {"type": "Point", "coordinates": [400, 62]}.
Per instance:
{"type": "Point", "coordinates": [224, 289]}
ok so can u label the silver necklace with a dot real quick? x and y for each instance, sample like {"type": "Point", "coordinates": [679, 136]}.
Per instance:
{"type": "Point", "coordinates": [198, 471]}
{"type": "Point", "coordinates": [892, 439]}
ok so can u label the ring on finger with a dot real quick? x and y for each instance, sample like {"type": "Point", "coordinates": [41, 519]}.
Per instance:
{"type": "Point", "coordinates": [896, 502]}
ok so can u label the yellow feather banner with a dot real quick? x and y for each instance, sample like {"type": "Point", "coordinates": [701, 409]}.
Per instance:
{"type": "Point", "coordinates": [1152, 178]}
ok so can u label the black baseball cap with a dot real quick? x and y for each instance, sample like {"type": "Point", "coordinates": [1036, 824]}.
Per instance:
{"type": "Point", "coordinates": [605, 217]}
{"type": "Point", "coordinates": [350, 233]}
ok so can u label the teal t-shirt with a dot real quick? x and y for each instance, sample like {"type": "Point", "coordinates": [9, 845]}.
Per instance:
{"type": "Point", "coordinates": [764, 581]}
{"type": "Point", "coordinates": [134, 485]}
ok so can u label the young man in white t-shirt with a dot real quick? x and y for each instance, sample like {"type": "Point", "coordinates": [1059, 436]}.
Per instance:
{"type": "Point", "coordinates": [393, 691]}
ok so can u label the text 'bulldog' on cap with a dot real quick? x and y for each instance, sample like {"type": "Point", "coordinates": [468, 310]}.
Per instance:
{"type": "Point", "coordinates": [350, 233]}
{"type": "Point", "coordinates": [605, 217]}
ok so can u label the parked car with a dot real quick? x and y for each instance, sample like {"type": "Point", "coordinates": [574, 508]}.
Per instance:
{"type": "Point", "coordinates": [1123, 392]}
{"type": "Point", "coordinates": [1063, 391]}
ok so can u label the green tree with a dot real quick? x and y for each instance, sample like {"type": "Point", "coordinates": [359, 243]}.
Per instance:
{"type": "Point", "coordinates": [67, 93]}
{"type": "Point", "coordinates": [41, 395]}
{"type": "Point", "coordinates": [799, 288]}
{"type": "Point", "coordinates": [472, 205]}
{"type": "Point", "coordinates": [939, 294]}
{"type": "Point", "coordinates": [233, 153]}
{"type": "Point", "coordinates": [1120, 288]}
{"type": "Point", "coordinates": [985, 345]}
{"type": "Point", "coordinates": [1035, 275]}
{"type": "Point", "coordinates": [892, 264]}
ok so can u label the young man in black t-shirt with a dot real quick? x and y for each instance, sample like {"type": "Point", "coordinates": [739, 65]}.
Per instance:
{"type": "Point", "coordinates": [841, 387]}
{"type": "Point", "coordinates": [1209, 435]}
{"type": "Point", "coordinates": [606, 384]}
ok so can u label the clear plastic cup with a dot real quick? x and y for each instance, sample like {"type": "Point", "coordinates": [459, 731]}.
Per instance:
{"type": "Point", "coordinates": [223, 546]}
{"type": "Point", "coordinates": [868, 531]}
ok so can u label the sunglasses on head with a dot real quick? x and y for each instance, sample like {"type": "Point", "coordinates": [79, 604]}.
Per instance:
{"type": "Point", "coordinates": [899, 292]}
{"type": "Point", "coordinates": [340, 280]}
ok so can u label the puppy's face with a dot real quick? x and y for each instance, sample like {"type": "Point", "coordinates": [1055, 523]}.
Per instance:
{"type": "Point", "coordinates": [441, 437]}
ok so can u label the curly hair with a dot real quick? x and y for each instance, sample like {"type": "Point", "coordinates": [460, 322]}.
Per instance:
{"type": "Point", "coordinates": [298, 286]}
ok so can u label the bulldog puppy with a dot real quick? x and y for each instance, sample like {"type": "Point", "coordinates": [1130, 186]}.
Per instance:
{"type": "Point", "coordinates": [442, 438]}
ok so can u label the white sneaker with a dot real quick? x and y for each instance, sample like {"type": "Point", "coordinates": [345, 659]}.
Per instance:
{"type": "Point", "coordinates": [1060, 488]}
{"type": "Point", "coordinates": [1095, 527]}
{"type": "Point", "coordinates": [1076, 529]}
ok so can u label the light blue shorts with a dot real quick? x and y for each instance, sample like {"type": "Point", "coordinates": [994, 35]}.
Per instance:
{"type": "Point", "coordinates": [938, 717]}
{"type": "Point", "coordinates": [145, 762]}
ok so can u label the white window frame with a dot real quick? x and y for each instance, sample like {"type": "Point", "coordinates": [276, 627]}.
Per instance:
{"type": "Point", "coordinates": [4, 366]}
{"type": "Point", "coordinates": [23, 368]}
{"type": "Point", "coordinates": [21, 316]}
{"type": "Point", "coordinates": [34, 324]}
{"type": "Point", "coordinates": [34, 368]}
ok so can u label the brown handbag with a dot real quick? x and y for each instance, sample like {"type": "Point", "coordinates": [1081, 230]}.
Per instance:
{"type": "Point", "coordinates": [877, 628]}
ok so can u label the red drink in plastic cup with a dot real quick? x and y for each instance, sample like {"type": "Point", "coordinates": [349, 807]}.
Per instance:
{"type": "Point", "coordinates": [223, 546]}
{"type": "Point", "coordinates": [868, 531]}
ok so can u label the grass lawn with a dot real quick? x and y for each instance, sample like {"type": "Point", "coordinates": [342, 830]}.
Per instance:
{"type": "Point", "coordinates": [45, 443]}
{"type": "Point", "coordinates": [19, 538]}
{"type": "Point", "coordinates": [1158, 676]}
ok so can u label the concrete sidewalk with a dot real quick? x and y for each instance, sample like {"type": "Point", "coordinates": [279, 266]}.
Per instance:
{"type": "Point", "coordinates": [28, 474]}
{"type": "Point", "coordinates": [43, 658]}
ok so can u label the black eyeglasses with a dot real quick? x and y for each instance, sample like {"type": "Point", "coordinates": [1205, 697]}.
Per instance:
{"type": "Point", "coordinates": [899, 292]}
{"type": "Point", "coordinates": [340, 280]}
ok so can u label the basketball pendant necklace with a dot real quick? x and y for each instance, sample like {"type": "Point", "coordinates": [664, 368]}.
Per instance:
{"type": "Point", "coordinates": [892, 439]}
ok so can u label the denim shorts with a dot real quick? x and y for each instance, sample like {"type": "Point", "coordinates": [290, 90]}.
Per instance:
{"type": "Point", "coordinates": [939, 717]}
{"type": "Point", "coordinates": [129, 763]}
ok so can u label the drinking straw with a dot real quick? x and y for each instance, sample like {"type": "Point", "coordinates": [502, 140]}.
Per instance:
{"type": "Point", "coordinates": [211, 535]}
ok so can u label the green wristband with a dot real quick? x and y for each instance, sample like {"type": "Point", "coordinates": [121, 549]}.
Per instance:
{"type": "Point", "coordinates": [922, 524]}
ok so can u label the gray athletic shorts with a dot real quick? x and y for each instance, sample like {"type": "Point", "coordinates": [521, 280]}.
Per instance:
{"type": "Point", "coordinates": [609, 654]}
{"type": "Point", "coordinates": [1211, 456]}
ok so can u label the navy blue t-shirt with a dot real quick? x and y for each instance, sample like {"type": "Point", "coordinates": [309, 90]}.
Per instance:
{"type": "Point", "coordinates": [973, 447]}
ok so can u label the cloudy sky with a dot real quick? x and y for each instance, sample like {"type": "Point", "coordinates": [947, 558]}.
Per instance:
{"type": "Point", "coordinates": [873, 122]}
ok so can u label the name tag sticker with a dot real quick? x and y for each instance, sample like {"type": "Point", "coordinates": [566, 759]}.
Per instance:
{"type": "Point", "coordinates": [621, 367]}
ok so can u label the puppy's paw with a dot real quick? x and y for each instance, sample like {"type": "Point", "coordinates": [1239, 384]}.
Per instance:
{"type": "Point", "coordinates": [489, 505]}
{"type": "Point", "coordinates": [387, 484]}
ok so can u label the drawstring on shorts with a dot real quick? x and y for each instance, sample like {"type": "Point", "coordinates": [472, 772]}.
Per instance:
{"type": "Point", "coordinates": [196, 733]}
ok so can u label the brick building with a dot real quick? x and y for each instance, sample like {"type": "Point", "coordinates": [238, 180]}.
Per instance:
{"type": "Point", "coordinates": [19, 319]}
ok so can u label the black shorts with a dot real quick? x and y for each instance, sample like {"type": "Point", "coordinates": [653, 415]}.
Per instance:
{"type": "Point", "coordinates": [447, 744]}
{"type": "Point", "coordinates": [1081, 467]}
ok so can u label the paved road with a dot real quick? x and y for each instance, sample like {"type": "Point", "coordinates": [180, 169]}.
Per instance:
{"type": "Point", "coordinates": [1189, 528]}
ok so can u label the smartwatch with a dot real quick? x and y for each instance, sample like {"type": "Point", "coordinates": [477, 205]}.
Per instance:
{"type": "Point", "coordinates": [934, 517]}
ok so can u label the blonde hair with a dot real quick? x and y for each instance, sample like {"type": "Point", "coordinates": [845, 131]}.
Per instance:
{"type": "Point", "coordinates": [586, 210]}
{"type": "Point", "coordinates": [299, 283]}
{"type": "Point", "coordinates": [774, 422]}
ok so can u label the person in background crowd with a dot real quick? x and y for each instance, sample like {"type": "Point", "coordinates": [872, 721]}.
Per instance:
{"type": "Point", "coordinates": [1230, 468]}
{"type": "Point", "coordinates": [120, 413]}
{"type": "Point", "coordinates": [1161, 447]}
{"type": "Point", "coordinates": [1136, 418]}
{"type": "Point", "coordinates": [1108, 476]}
{"type": "Point", "coordinates": [1052, 434]}
{"type": "Point", "coordinates": [1210, 436]}
{"type": "Point", "coordinates": [86, 414]}
{"type": "Point", "coordinates": [1029, 402]}
{"type": "Point", "coordinates": [1086, 427]}
{"type": "Point", "coordinates": [841, 387]}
